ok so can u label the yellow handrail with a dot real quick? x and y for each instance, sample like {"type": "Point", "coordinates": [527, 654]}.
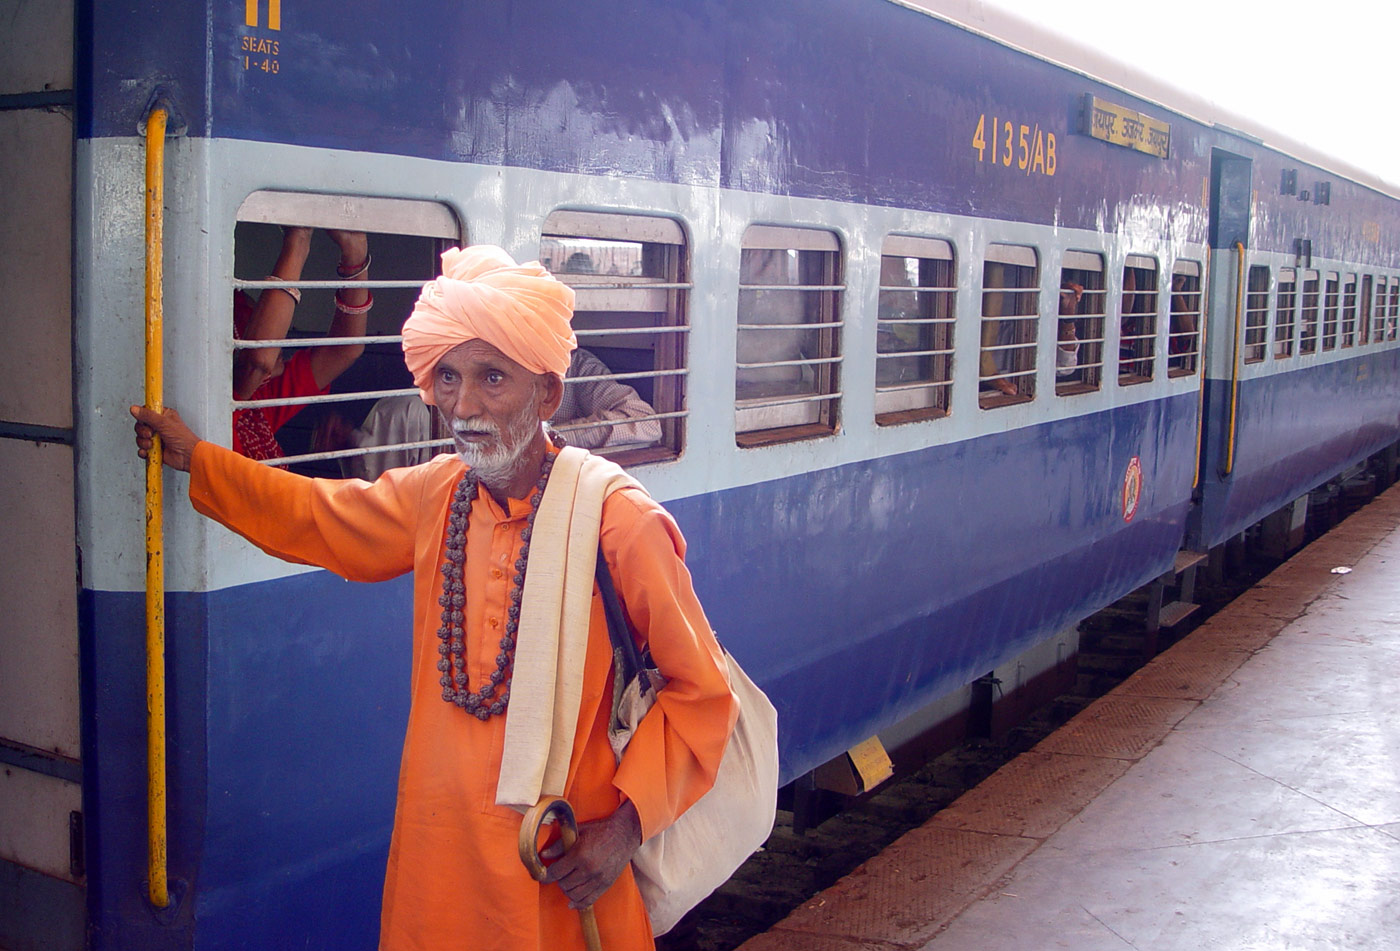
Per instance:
{"type": "Point", "coordinates": [155, 545]}
{"type": "Point", "coordinates": [1235, 360]}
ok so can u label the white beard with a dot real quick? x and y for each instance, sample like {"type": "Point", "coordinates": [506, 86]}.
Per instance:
{"type": "Point", "coordinates": [497, 463]}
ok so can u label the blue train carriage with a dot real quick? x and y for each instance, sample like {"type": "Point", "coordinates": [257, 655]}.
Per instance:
{"type": "Point", "coordinates": [1302, 373]}
{"type": "Point", "coordinates": [826, 245]}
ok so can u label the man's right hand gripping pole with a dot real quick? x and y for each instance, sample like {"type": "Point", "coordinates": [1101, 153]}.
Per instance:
{"type": "Point", "coordinates": [177, 440]}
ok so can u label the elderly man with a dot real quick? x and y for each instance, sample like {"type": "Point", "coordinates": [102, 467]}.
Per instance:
{"type": "Point", "coordinates": [488, 343]}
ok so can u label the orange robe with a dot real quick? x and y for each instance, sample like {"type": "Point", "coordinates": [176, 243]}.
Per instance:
{"type": "Point", "coordinates": [454, 880]}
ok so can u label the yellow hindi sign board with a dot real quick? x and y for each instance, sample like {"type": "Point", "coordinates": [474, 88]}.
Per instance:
{"type": "Point", "coordinates": [1119, 125]}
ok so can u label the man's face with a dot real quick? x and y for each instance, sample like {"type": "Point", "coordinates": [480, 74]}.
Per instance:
{"type": "Point", "coordinates": [493, 405]}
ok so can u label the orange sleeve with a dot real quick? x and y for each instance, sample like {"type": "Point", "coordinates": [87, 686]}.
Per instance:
{"type": "Point", "coordinates": [675, 753]}
{"type": "Point", "coordinates": [360, 531]}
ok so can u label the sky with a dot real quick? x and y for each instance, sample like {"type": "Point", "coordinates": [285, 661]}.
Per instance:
{"type": "Point", "coordinates": [1320, 73]}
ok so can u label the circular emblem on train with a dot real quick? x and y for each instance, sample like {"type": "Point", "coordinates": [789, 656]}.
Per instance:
{"type": "Point", "coordinates": [1132, 488]}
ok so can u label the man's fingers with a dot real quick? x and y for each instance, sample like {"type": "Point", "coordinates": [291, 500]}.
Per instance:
{"type": "Point", "coordinates": [586, 895]}
{"type": "Point", "coordinates": [179, 440]}
{"type": "Point", "coordinates": [582, 888]}
{"type": "Point", "coordinates": [555, 850]}
{"type": "Point", "coordinates": [145, 432]}
{"type": "Point", "coordinates": [560, 865]}
{"type": "Point", "coordinates": [579, 883]}
{"type": "Point", "coordinates": [149, 418]}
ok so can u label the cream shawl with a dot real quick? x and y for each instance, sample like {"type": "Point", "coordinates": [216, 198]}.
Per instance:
{"type": "Point", "coordinates": [547, 685]}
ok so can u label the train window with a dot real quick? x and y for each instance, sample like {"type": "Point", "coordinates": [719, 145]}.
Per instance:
{"type": "Point", "coordinates": [1010, 317]}
{"type": "Point", "coordinates": [1382, 297]}
{"type": "Point", "coordinates": [1331, 297]}
{"type": "Point", "coordinates": [1137, 341]}
{"type": "Point", "coordinates": [914, 335]}
{"type": "Point", "coordinates": [624, 395]}
{"type": "Point", "coordinates": [1079, 324]}
{"type": "Point", "coordinates": [786, 384]}
{"type": "Point", "coordinates": [1387, 307]}
{"type": "Point", "coordinates": [1285, 318]}
{"type": "Point", "coordinates": [313, 353]}
{"type": "Point", "coordinates": [1364, 319]}
{"type": "Point", "coordinates": [1349, 311]}
{"type": "Point", "coordinates": [1184, 332]}
{"type": "Point", "coordinates": [1393, 319]}
{"type": "Point", "coordinates": [1307, 335]}
{"type": "Point", "coordinates": [1256, 314]}
{"type": "Point", "coordinates": [1378, 312]}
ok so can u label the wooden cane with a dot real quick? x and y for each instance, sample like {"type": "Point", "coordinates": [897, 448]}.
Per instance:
{"type": "Point", "coordinates": [558, 808]}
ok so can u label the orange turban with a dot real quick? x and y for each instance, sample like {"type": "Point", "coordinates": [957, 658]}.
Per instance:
{"type": "Point", "coordinates": [520, 309]}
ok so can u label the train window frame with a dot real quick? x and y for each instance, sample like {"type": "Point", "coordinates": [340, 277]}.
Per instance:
{"type": "Point", "coordinates": [636, 325]}
{"type": "Point", "coordinates": [816, 261]}
{"type": "Point", "coordinates": [1384, 286]}
{"type": "Point", "coordinates": [1187, 307]}
{"type": "Point", "coordinates": [400, 220]}
{"type": "Point", "coordinates": [1366, 304]}
{"type": "Point", "coordinates": [1331, 303]}
{"type": "Point", "coordinates": [932, 316]}
{"type": "Point", "coordinates": [1256, 313]}
{"type": "Point", "coordinates": [1010, 325]}
{"type": "Point", "coordinates": [1393, 318]}
{"type": "Point", "coordinates": [1086, 269]}
{"type": "Point", "coordinates": [1309, 312]}
{"type": "Point", "coordinates": [1285, 305]}
{"type": "Point", "coordinates": [1380, 310]}
{"type": "Point", "coordinates": [1137, 351]}
{"type": "Point", "coordinates": [1347, 331]}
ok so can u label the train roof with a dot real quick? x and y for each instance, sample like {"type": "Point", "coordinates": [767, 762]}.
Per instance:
{"type": "Point", "coordinates": [1032, 39]}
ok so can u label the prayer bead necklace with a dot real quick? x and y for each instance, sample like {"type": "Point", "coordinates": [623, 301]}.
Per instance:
{"type": "Point", "coordinates": [482, 703]}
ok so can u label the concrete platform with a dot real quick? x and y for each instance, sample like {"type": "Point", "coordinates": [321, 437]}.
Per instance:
{"type": "Point", "coordinates": [1241, 791]}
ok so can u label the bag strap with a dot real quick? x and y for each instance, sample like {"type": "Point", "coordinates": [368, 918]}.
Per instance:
{"type": "Point", "coordinates": [619, 631]}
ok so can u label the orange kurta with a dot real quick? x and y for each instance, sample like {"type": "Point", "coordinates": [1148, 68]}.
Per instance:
{"type": "Point", "coordinates": [454, 879]}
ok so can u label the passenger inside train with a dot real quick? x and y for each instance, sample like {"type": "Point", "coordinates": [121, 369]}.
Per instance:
{"type": "Point", "coordinates": [1182, 339]}
{"type": "Point", "coordinates": [264, 373]}
{"type": "Point", "coordinates": [1138, 323]}
{"type": "Point", "coordinates": [1067, 349]}
{"type": "Point", "coordinates": [1080, 326]}
{"type": "Point", "coordinates": [1010, 326]}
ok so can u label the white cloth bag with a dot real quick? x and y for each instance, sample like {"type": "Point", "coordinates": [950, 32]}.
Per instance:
{"type": "Point", "coordinates": [682, 864]}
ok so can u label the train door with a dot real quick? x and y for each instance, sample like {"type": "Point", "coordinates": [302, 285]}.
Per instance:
{"type": "Point", "coordinates": [1231, 199]}
{"type": "Point", "coordinates": [41, 860]}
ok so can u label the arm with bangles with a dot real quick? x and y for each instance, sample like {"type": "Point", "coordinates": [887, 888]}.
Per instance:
{"type": "Point", "coordinates": [272, 315]}
{"type": "Point", "coordinates": [352, 306]}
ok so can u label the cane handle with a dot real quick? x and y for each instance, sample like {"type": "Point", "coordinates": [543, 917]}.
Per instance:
{"type": "Point", "coordinates": [555, 808]}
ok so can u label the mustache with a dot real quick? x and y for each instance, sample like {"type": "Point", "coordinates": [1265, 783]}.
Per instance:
{"type": "Point", "coordinates": [475, 425]}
